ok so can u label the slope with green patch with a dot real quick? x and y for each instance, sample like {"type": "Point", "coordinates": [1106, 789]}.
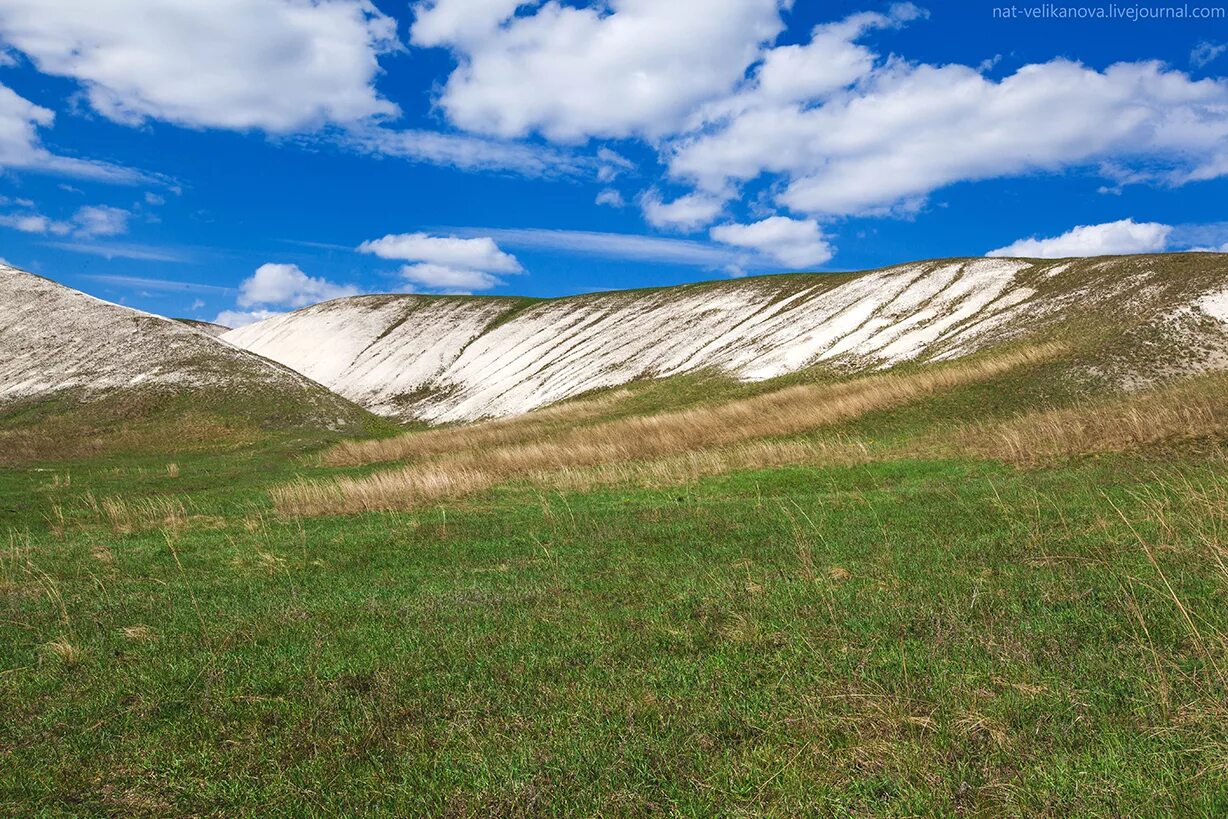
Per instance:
{"type": "Point", "coordinates": [80, 376]}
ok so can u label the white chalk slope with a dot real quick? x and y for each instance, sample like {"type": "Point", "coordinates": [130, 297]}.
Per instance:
{"type": "Point", "coordinates": [59, 342]}
{"type": "Point", "coordinates": [453, 359]}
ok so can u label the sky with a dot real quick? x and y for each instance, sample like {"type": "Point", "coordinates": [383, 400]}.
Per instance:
{"type": "Point", "coordinates": [238, 158]}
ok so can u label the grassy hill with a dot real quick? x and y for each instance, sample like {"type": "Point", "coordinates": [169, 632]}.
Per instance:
{"type": "Point", "coordinates": [994, 585]}
{"type": "Point", "coordinates": [80, 377]}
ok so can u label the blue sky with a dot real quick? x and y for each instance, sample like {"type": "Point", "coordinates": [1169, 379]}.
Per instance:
{"type": "Point", "coordinates": [242, 157]}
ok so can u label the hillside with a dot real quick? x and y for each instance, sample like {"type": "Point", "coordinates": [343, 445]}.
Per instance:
{"type": "Point", "coordinates": [74, 367]}
{"type": "Point", "coordinates": [936, 590]}
{"type": "Point", "coordinates": [444, 359]}
{"type": "Point", "coordinates": [937, 587]}
{"type": "Point", "coordinates": [215, 330]}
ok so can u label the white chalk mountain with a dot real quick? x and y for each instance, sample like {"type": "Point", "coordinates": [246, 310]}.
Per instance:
{"type": "Point", "coordinates": [58, 344]}
{"type": "Point", "coordinates": [441, 359]}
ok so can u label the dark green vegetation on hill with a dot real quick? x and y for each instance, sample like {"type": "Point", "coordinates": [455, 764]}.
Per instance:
{"type": "Point", "coordinates": [170, 422]}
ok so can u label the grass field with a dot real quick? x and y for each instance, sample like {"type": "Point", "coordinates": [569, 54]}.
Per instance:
{"type": "Point", "coordinates": [913, 617]}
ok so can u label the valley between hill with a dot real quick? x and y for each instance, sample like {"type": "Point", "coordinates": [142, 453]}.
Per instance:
{"type": "Point", "coordinates": [993, 583]}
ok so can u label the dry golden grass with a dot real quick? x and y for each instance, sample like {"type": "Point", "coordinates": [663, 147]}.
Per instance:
{"type": "Point", "coordinates": [1189, 409]}
{"type": "Point", "coordinates": [400, 489]}
{"type": "Point", "coordinates": [139, 633]}
{"type": "Point", "coordinates": [776, 414]}
{"type": "Point", "coordinates": [127, 516]}
{"type": "Point", "coordinates": [63, 651]}
{"type": "Point", "coordinates": [498, 432]}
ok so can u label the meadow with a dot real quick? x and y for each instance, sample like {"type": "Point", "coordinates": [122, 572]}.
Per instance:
{"type": "Point", "coordinates": [962, 589]}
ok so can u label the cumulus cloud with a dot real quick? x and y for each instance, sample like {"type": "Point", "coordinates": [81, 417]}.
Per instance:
{"type": "Point", "coordinates": [802, 73]}
{"type": "Point", "coordinates": [88, 222]}
{"type": "Point", "coordinates": [448, 279]}
{"type": "Point", "coordinates": [795, 243]}
{"type": "Point", "coordinates": [445, 22]}
{"type": "Point", "coordinates": [276, 65]}
{"type": "Point", "coordinates": [686, 213]}
{"type": "Point", "coordinates": [836, 126]}
{"type": "Point", "coordinates": [34, 223]}
{"type": "Point", "coordinates": [1111, 238]}
{"type": "Point", "coordinates": [21, 147]}
{"type": "Point", "coordinates": [448, 263]}
{"type": "Point", "coordinates": [478, 254]}
{"type": "Point", "coordinates": [872, 136]}
{"type": "Point", "coordinates": [285, 285]}
{"type": "Point", "coordinates": [101, 220]}
{"type": "Point", "coordinates": [624, 68]}
{"type": "Point", "coordinates": [611, 197]}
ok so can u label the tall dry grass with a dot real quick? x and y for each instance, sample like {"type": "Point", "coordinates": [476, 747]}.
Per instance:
{"type": "Point", "coordinates": [776, 414]}
{"type": "Point", "coordinates": [497, 432]}
{"type": "Point", "coordinates": [1188, 409]}
{"type": "Point", "coordinates": [124, 515]}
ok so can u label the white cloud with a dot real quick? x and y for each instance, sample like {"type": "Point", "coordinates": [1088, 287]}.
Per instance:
{"type": "Point", "coordinates": [22, 149]}
{"type": "Point", "coordinates": [481, 253]}
{"type": "Point", "coordinates": [443, 22]}
{"type": "Point", "coordinates": [88, 222]}
{"type": "Point", "coordinates": [101, 220]}
{"type": "Point", "coordinates": [611, 164]}
{"type": "Point", "coordinates": [611, 197]}
{"type": "Point", "coordinates": [147, 253]}
{"type": "Point", "coordinates": [615, 246]}
{"type": "Point", "coordinates": [276, 65]}
{"type": "Point", "coordinates": [1207, 52]}
{"type": "Point", "coordinates": [285, 285]}
{"type": "Point", "coordinates": [1111, 238]}
{"type": "Point", "coordinates": [169, 285]}
{"type": "Point", "coordinates": [466, 152]}
{"type": "Point", "coordinates": [241, 318]}
{"type": "Point", "coordinates": [868, 135]}
{"type": "Point", "coordinates": [450, 264]}
{"type": "Point", "coordinates": [34, 223]}
{"type": "Point", "coordinates": [449, 279]}
{"type": "Point", "coordinates": [624, 68]}
{"type": "Point", "coordinates": [796, 243]}
{"type": "Point", "coordinates": [831, 61]}
{"type": "Point", "coordinates": [686, 213]}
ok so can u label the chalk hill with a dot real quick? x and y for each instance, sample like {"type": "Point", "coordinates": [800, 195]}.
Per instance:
{"type": "Point", "coordinates": [61, 346]}
{"type": "Point", "coordinates": [441, 359]}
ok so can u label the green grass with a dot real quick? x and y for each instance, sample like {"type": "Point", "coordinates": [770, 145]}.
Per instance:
{"type": "Point", "coordinates": [896, 639]}
{"type": "Point", "coordinates": [911, 637]}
